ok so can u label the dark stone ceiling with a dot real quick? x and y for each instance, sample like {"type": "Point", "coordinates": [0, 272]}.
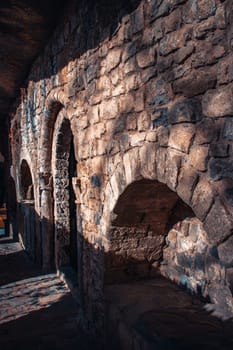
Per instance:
{"type": "Point", "coordinates": [25, 26]}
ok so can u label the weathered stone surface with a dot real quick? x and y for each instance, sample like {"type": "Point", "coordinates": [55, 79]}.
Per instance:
{"type": "Point", "coordinates": [207, 54]}
{"type": "Point", "coordinates": [220, 168]}
{"type": "Point", "coordinates": [219, 150]}
{"type": "Point", "coordinates": [173, 163]}
{"type": "Point", "coordinates": [113, 59]}
{"type": "Point", "coordinates": [225, 252]}
{"type": "Point", "coordinates": [202, 29]}
{"type": "Point", "coordinates": [218, 223]}
{"type": "Point", "coordinates": [183, 53]}
{"type": "Point", "coordinates": [218, 102]}
{"type": "Point", "coordinates": [202, 199]}
{"type": "Point", "coordinates": [199, 10]}
{"type": "Point", "coordinates": [173, 21]}
{"type": "Point", "coordinates": [185, 111]}
{"type": "Point", "coordinates": [163, 136]}
{"type": "Point", "coordinates": [206, 132]}
{"type": "Point", "coordinates": [225, 70]}
{"type": "Point", "coordinates": [228, 129]}
{"type": "Point", "coordinates": [173, 41]}
{"type": "Point", "coordinates": [146, 57]}
{"type": "Point", "coordinates": [195, 83]}
{"type": "Point", "coordinates": [199, 157]}
{"type": "Point", "coordinates": [181, 137]}
{"type": "Point", "coordinates": [187, 181]}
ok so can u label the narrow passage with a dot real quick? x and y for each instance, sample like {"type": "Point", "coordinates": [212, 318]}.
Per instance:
{"type": "Point", "coordinates": [37, 311]}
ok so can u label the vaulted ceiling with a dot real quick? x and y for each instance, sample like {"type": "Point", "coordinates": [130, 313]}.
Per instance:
{"type": "Point", "coordinates": [25, 26]}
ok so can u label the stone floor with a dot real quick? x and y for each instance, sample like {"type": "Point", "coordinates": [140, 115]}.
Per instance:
{"type": "Point", "coordinates": [158, 315]}
{"type": "Point", "coordinates": [37, 311]}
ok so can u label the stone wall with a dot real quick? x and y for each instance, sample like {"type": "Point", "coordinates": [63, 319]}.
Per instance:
{"type": "Point", "coordinates": [147, 87]}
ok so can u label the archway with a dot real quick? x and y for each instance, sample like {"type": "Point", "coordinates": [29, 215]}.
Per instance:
{"type": "Point", "coordinates": [146, 213]}
{"type": "Point", "coordinates": [27, 230]}
{"type": "Point", "coordinates": [64, 170]}
{"type": "Point", "coordinates": [154, 235]}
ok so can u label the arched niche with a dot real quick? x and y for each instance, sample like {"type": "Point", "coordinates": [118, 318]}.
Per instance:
{"type": "Point", "coordinates": [65, 211]}
{"type": "Point", "coordinates": [26, 213]}
{"type": "Point", "coordinates": [145, 213]}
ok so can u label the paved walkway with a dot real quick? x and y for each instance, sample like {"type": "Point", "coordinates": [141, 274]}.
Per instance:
{"type": "Point", "coordinates": [37, 311]}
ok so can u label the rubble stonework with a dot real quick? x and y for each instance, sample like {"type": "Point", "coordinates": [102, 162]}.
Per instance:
{"type": "Point", "coordinates": [145, 93]}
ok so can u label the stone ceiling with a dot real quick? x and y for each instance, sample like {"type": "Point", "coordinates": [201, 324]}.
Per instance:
{"type": "Point", "coordinates": [25, 26]}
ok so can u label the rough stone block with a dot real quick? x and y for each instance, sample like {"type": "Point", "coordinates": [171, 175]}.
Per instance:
{"type": "Point", "coordinates": [218, 102]}
{"type": "Point", "coordinates": [228, 129]}
{"type": "Point", "coordinates": [173, 41]}
{"type": "Point", "coordinates": [218, 223]}
{"type": "Point", "coordinates": [185, 111]}
{"type": "Point", "coordinates": [219, 150]}
{"type": "Point", "coordinates": [137, 20]}
{"type": "Point", "coordinates": [225, 252]}
{"type": "Point", "coordinates": [206, 132]}
{"type": "Point", "coordinates": [126, 103]}
{"type": "Point", "coordinates": [173, 21]}
{"type": "Point", "coordinates": [207, 54]}
{"type": "Point", "coordinates": [198, 157]}
{"type": "Point", "coordinates": [183, 53]}
{"type": "Point", "coordinates": [186, 183]}
{"type": "Point", "coordinates": [113, 59]}
{"type": "Point", "coordinates": [137, 139]}
{"type": "Point", "coordinates": [163, 136]}
{"type": "Point", "coordinates": [198, 10]}
{"type": "Point", "coordinates": [220, 168]}
{"type": "Point", "coordinates": [173, 163]}
{"type": "Point", "coordinates": [195, 83]}
{"type": "Point", "coordinates": [181, 137]}
{"type": "Point", "coordinates": [144, 121]}
{"type": "Point", "coordinates": [225, 70]}
{"type": "Point", "coordinates": [147, 154]}
{"type": "Point", "coordinates": [146, 57]}
{"type": "Point", "coordinates": [108, 109]}
{"type": "Point", "coordinates": [161, 164]}
{"type": "Point", "coordinates": [202, 199]}
{"type": "Point", "coordinates": [203, 28]}
{"type": "Point", "coordinates": [156, 9]}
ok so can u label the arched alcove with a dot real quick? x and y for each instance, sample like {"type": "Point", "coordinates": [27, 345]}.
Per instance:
{"type": "Point", "coordinates": [64, 170]}
{"type": "Point", "coordinates": [26, 214]}
{"type": "Point", "coordinates": [145, 213]}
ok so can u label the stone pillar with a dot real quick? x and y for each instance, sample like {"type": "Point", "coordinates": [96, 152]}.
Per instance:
{"type": "Point", "coordinates": [46, 217]}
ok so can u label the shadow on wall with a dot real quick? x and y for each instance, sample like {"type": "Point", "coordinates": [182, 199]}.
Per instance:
{"type": "Point", "coordinates": [90, 23]}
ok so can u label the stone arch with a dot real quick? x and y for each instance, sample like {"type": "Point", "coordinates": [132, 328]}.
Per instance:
{"type": "Point", "coordinates": [65, 214]}
{"type": "Point", "coordinates": [211, 217]}
{"type": "Point", "coordinates": [171, 168]}
{"type": "Point", "coordinates": [53, 107]}
{"type": "Point", "coordinates": [145, 214]}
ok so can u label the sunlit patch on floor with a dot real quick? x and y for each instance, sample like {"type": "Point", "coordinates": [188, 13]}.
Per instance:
{"type": "Point", "coordinates": [23, 297]}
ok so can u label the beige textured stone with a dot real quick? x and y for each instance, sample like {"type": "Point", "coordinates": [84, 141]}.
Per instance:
{"type": "Point", "coordinates": [218, 102]}
{"type": "Point", "coordinates": [199, 157]}
{"type": "Point", "coordinates": [146, 57]}
{"type": "Point", "coordinates": [181, 137]}
{"type": "Point", "coordinates": [108, 109]}
{"type": "Point", "coordinates": [113, 59]}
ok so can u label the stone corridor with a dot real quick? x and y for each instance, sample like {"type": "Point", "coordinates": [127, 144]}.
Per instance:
{"type": "Point", "coordinates": [37, 311]}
